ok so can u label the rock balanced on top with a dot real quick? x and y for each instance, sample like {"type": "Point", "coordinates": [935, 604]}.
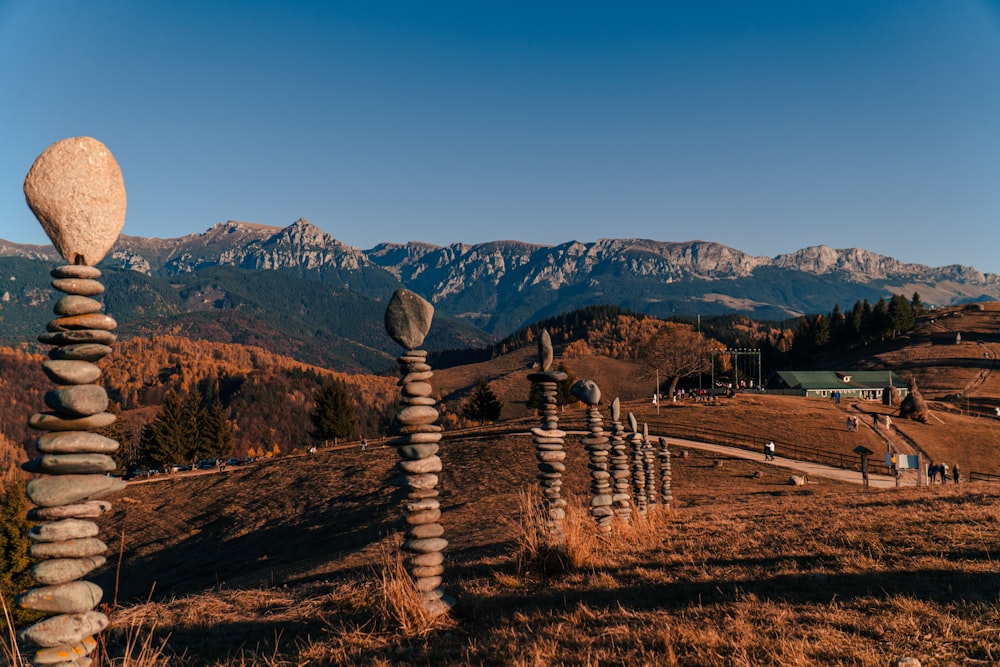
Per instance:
{"type": "Point", "coordinates": [598, 449]}
{"type": "Point", "coordinates": [76, 191]}
{"type": "Point", "coordinates": [407, 321]}
{"type": "Point", "coordinates": [549, 439]}
{"type": "Point", "coordinates": [620, 473]}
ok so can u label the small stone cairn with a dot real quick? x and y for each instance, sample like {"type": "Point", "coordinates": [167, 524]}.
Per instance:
{"type": "Point", "coordinates": [638, 467]}
{"type": "Point", "coordinates": [407, 321]}
{"type": "Point", "coordinates": [76, 191]}
{"type": "Point", "coordinates": [666, 482]}
{"type": "Point", "coordinates": [649, 466]}
{"type": "Point", "coordinates": [598, 447]}
{"type": "Point", "coordinates": [549, 440]}
{"type": "Point", "coordinates": [622, 496]}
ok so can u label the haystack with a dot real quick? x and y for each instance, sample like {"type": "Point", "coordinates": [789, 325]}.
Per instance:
{"type": "Point", "coordinates": [914, 406]}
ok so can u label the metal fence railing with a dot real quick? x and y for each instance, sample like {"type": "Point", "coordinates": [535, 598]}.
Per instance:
{"type": "Point", "coordinates": [983, 477]}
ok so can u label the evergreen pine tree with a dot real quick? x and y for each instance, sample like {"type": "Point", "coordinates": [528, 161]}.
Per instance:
{"type": "Point", "coordinates": [332, 415]}
{"type": "Point", "coordinates": [482, 405]}
{"type": "Point", "coordinates": [171, 437]}
{"type": "Point", "coordinates": [14, 560]}
{"type": "Point", "coordinates": [215, 432]}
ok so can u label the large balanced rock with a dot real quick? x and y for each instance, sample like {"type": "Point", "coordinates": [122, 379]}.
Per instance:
{"type": "Point", "coordinates": [408, 318]}
{"type": "Point", "coordinates": [76, 190]}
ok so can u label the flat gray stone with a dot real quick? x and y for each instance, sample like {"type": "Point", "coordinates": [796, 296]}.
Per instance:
{"type": "Point", "coordinates": [73, 598]}
{"type": "Point", "coordinates": [423, 516]}
{"type": "Point", "coordinates": [78, 286]}
{"type": "Point", "coordinates": [75, 442]}
{"type": "Point", "coordinates": [65, 529]}
{"type": "Point", "coordinates": [76, 271]}
{"type": "Point", "coordinates": [78, 400]}
{"type": "Point", "coordinates": [88, 321]}
{"type": "Point", "coordinates": [417, 414]}
{"type": "Point", "coordinates": [76, 464]}
{"type": "Point", "coordinates": [425, 546]}
{"type": "Point", "coordinates": [81, 352]}
{"type": "Point", "coordinates": [71, 372]}
{"type": "Point", "coordinates": [73, 304]}
{"type": "Point", "coordinates": [66, 654]}
{"type": "Point", "coordinates": [428, 559]}
{"type": "Point", "coordinates": [57, 490]}
{"type": "Point", "coordinates": [91, 509]}
{"type": "Point", "coordinates": [420, 482]}
{"type": "Point", "coordinates": [417, 389]}
{"type": "Point", "coordinates": [420, 466]}
{"type": "Point", "coordinates": [408, 318]}
{"type": "Point", "coordinates": [417, 451]}
{"type": "Point", "coordinates": [83, 548]}
{"type": "Point", "coordinates": [47, 421]}
{"type": "Point", "coordinates": [424, 531]}
{"type": "Point", "coordinates": [78, 337]}
{"type": "Point", "coordinates": [62, 570]}
{"type": "Point", "coordinates": [433, 571]}
{"type": "Point", "coordinates": [421, 505]}
{"type": "Point", "coordinates": [75, 189]}
{"type": "Point", "coordinates": [587, 391]}
{"type": "Point", "coordinates": [616, 410]}
{"type": "Point", "coordinates": [64, 628]}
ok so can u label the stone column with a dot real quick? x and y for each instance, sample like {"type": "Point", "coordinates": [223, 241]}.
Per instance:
{"type": "Point", "coordinates": [76, 191]}
{"type": "Point", "coordinates": [666, 492]}
{"type": "Point", "coordinates": [407, 320]}
{"type": "Point", "coordinates": [598, 448]}
{"type": "Point", "coordinates": [548, 440]}
{"type": "Point", "coordinates": [638, 467]}
{"type": "Point", "coordinates": [622, 495]}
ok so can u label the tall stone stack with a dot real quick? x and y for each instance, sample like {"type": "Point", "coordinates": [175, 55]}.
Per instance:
{"type": "Point", "coordinates": [620, 474]}
{"type": "Point", "coordinates": [598, 450]}
{"type": "Point", "coordinates": [549, 440]}
{"type": "Point", "coordinates": [649, 466]}
{"type": "Point", "coordinates": [666, 483]}
{"type": "Point", "coordinates": [638, 467]}
{"type": "Point", "coordinates": [407, 321]}
{"type": "Point", "coordinates": [76, 191]}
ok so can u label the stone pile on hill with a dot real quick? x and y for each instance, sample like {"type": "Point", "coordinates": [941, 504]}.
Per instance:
{"type": "Point", "coordinates": [549, 440]}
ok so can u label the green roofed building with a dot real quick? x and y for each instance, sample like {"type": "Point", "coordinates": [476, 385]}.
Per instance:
{"type": "Point", "coordinates": [866, 385]}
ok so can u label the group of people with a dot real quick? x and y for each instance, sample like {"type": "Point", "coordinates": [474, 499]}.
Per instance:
{"type": "Point", "coordinates": [853, 424]}
{"type": "Point", "coordinates": [940, 470]}
{"type": "Point", "coordinates": [769, 451]}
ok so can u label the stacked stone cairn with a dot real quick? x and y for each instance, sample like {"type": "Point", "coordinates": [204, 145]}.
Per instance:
{"type": "Point", "coordinates": [76, 191]}
{"type": "Point", "coordinates": [622, 496]}
{"type": "Point", "coordinates": [549, 440]}
{"type": "Point", "coordinates": [649, 466]}
{"type": "Point", "coordinates": [407, 321]}
{"type": "Point", "coordinates": [666, 493]}
{"type": "Point", "coordinates": [638, 466]}
{"type": "Point", "coordinates": [598, 449]}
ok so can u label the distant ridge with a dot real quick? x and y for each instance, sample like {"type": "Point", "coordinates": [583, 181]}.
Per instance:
{"type": "Point", "coordinates": [500, 286]}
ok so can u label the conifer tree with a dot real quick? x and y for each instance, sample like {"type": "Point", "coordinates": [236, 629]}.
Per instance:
{"type": "Point", "coordinates": [215, 432]}
{"type": "Point", "coordinates": [332, 415]}
{"type": "Point", "coordinates": [14, 560]}
{"type": "Point", "coordinates": [171, 437]}
{"type": "Point", "coordinates": [482, 405]}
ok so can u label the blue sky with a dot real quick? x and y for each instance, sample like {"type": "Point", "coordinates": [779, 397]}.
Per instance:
{"type": "Point", "coordinates": [765, 126]}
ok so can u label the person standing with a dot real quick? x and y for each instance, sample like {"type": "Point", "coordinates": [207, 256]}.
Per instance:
{"type": "Point", "coordinates": [943, 470]}
{"type": "Point", "coordinates": [850, 424]}
{"type": "Point", "coordinates": [955, 474]}
{"type": "Point", "coordinates": [769, 449]}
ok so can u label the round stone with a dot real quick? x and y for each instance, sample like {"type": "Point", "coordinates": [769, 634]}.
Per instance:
{"type": "Point", "coordinates": [425, 559]}
{"type": "Point", "coordinates": [418, 451]}
{"type": "Point", "coordinates": [551, 456]}
{"type": "Point", "coordinates": [418, 400]}
{"type": "Point", "coordinates": [433, 571]}
{"type": "Point", "coordinates": [420, 377]}
{"type": "Point", "coordinates": [81, 352]}
{"type": "Point", "coordinates": [426, 481]}
{"type": "Point", "coordinates": [548, 433]}
{"type": "Point", "coordinates": [71, 372]}
{"type": "Point", "coordinates": [75, 442]}
{"type": "Point", "coordinates": [415, 367]}
{"type": "Point", "coordinates": [64, 628]}
{"type": "Point", "coordinates": [417, 414]}
{"type": "Point", "coordinates": [58, 656]}
{"type": "Point", "coordinates": [425, 531]}
{"type": "Point", "coordinates": [67, 489]}
{"type": "Point", "coordinates": [78, 337]}
{"type": "Point", "coordinates": [84, 548]}
{"type": "Point", "coordinates": [417, 389]}
{"type": "Point", "coordinates": [426, 583]}
{"type": "Point", "coordinates": [413, 429]}
{"type": "Point", "coordinates": [422, 517]}
{"type": "Point", "coordinates": [408, 318]}
{"type": "Point", "coordinates": [421, 505]}
{"type": "Point", "coordinates": [88, 510]}
{"type": "Point", "coordinates": [420, 466]}
{"type": "Point", "coordinates": [425, 546]}
{"type": "Point", "coordinates": [88, 321]}
{"type": "Point", "coordinates": [600, 501]}
{"type": "Point", "coordinates": [76, 271]}
{"type": "Point", "coordinates": [79, 400]}
{"type": "Point", "coordinates": [47, 421]}
{"type": "Point", "coordinates": [76, 464]}
{"type": "Point", "coordinates": [587, 391]}
{"type": "Point", "coordinates": [75, 189]}
{"type": "Point", "coordinates": [73, 304]}
{"type": "Point", "coordinates": [418, 438]}
{"type": "Point", "coordinates": [73, 598]}
{"type": "Point", "coordinates": [421, 494]}
{"type": "Point", "coordinates": [79, 287]}
{"type": "Point", "coordinates": [553, 467]}
{"type": "Point", "coordinates": [62, 570]}
{"type": "Point", "coordinates": [66, 529]}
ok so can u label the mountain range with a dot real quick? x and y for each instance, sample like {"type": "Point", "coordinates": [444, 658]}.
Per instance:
{"type": "Point", "coordinates": [304, 292]}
